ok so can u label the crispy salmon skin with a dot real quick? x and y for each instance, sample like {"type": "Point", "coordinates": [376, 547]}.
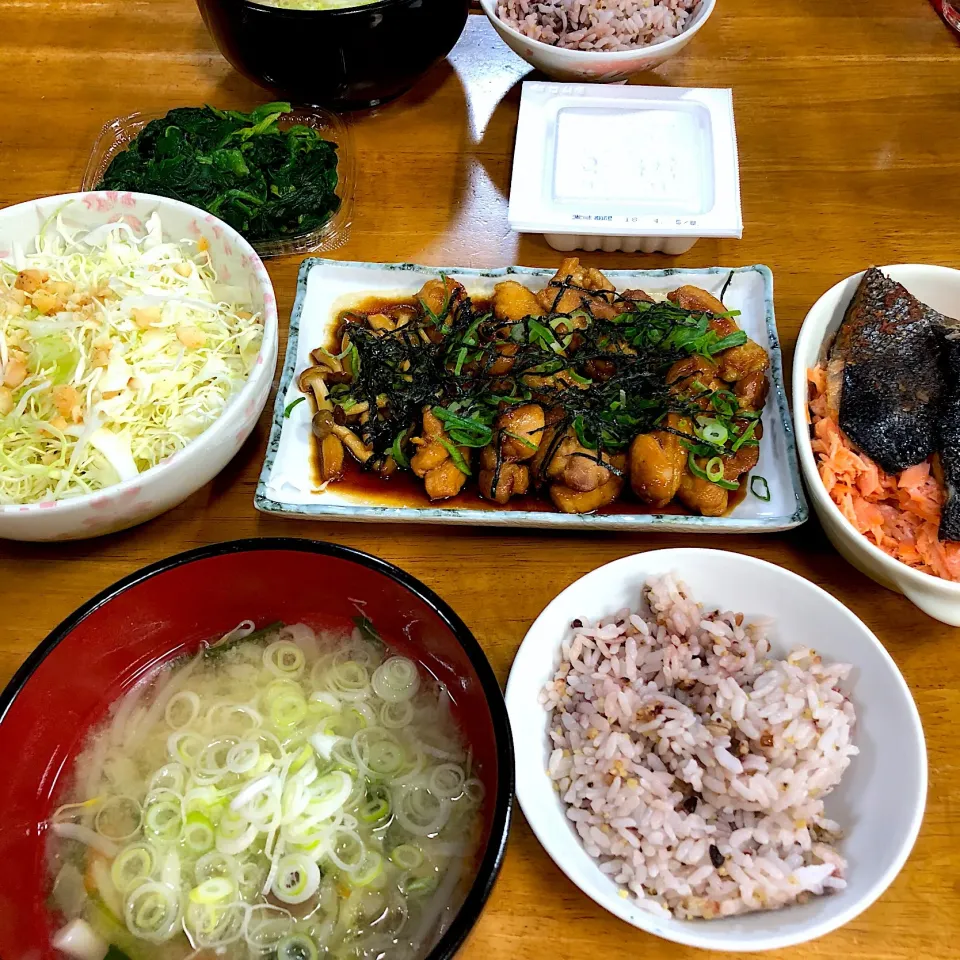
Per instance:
{"type": "Point", "coordinates": [888, 353]}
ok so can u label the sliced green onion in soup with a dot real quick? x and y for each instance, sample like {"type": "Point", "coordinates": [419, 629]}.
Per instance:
{"type": "Point", "coordinates": [266, 926]}
{"type": "Point", "coordinates": [349, 680]}
{"type": "Point", "coordinates": [446, 781]}
{"type": "Point", "coordinates": [376, 806]}
{"type": "Point", "coordinates": [198, 836]}
{"type": "Point", "coordinates": [132, 866]}
{"type": "Point", "coordinates": [288, 709]}
{"type": "Point", "coordinates": [182, 709]}
{"type": "Point", "coordinates": [242, 757]}
{"type": "Point", "coordinates": [418, 811]}
{"type": "Point", "coordinates": [215, 864]}
{"type": "Point", "coordinates": [406, 856]}
{"type": "Point", "coordinates": [214, 925]}
{"type": "Point", "coordinates": [370, 867]}
{"type": "Point", "coordinates": [212, 761]}
{"type": "Point", "coordinates": [171, 776]}
{"type": "Point", "coordinates": [420, 881]}
{"type": "Point", "coordinates": [379, 752]}
{"type": "Point", "coordinates": [304, 756]}
{"type": "Point", "coordinates": [207, 800]}
{"type": "Point", "coordinates": [396, 679]}
{"type": "Point", "coordinates": [396, 714]}
{"type": "Point", "coordinates": [152, 911]}
{"type": "Point", "coordinates": [329, 793]}
{"type": "Point", "coordinates": [473, 791]}
{"type": "Point", "coordinates": [162, 821]}
{"type": "Point", "coordinates": [347, 850]}
{"type": "Point", "coordinates": [184, 747]}
{"type": "Point", "coordinates": [118, 818]}
{"type": "Point", "coordinates": [297, 946]}
{"type": "Point", "coordinates": [297, 878]}
{"type": "Point", "coordinates": [214, 890]}
{"type": "Point", "coordinates": [284, 659]}
{"type": "Point", "coordinates": [233, 846]}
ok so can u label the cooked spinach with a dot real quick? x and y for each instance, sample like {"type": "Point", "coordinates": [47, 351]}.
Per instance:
{"type": "Point", "coordinates": [266, 182]}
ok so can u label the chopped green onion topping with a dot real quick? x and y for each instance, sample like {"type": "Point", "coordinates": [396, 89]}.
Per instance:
{"type": "Point", "coordinates": [396, 451]}
{"type": "Point", "coordinates": [288, 409]}
{"type": "Point", "coordinates": [456, 456]}
{"type": "Point", "coordinates": [745, 436]}
{"type": "Point", "coordinates": [736, 339]}
{"type": "Point", "coordinates": [695, 468]}
{"type": "Point", "coordinates": [714, 469]}
{"type": "Point", "coordinates": [713, 431]}
{"type": "Point", "coordinates": [698, 471]}
{"type": "Point", "coordinates": [763, 491]}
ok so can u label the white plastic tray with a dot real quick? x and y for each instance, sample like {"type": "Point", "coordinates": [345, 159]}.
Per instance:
{"type": "Point", "coordinates": [625, 168]}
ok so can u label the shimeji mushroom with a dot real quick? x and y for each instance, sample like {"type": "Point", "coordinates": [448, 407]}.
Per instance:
{"type": "Point", "coordinates": [331, 449]}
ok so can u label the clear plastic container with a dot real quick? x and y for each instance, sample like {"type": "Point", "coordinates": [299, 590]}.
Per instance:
{"type": "Point", "coordinates": [117, 135]}
{"type": "Point", "coordinates": [648, 169]}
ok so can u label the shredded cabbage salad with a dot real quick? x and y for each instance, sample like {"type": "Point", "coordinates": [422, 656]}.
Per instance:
{"type": "Point", "coordinates": [280, 793]}
{"type": "Point", "coordinates": [117, 348]}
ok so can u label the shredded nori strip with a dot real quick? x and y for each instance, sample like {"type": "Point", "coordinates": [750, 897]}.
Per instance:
{"type": "Point", "coordinates": [606, 378]}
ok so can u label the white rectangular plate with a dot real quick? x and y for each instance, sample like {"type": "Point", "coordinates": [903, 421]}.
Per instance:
{"type": "Point", "coordinates": [324, 287]}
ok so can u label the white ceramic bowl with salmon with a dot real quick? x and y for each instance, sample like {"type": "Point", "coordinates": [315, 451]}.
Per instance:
{"type": "Point", "coordinates": [596, 66]}
{"type": "Point", "coordinates": [172, 480]}
{"type": "Point", "coordinates": [938, 287]}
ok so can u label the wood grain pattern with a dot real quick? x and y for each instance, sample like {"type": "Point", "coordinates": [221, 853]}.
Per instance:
{"type": "Point", "coordinates": [850, 153]}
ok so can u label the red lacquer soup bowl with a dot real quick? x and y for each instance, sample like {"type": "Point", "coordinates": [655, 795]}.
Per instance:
{"type": "Point", "coordinates": [168, 609]}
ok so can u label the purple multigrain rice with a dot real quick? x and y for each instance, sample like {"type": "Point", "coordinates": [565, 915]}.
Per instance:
{"type": "Point", "coordinates": [603, 25]}
{"type": "Point", "coordinates": [673, 704]}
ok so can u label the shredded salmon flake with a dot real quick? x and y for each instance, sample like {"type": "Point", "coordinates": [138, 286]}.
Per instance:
{"type": "Point", "coordinates": [900, 513]}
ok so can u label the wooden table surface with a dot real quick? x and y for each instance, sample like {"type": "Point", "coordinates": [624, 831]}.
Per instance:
{"type": "Point", "coordinates": [847, 115]}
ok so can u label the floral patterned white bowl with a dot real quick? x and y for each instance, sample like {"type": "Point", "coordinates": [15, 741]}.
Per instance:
{"type": "Point", "coordinates": [172, 480]}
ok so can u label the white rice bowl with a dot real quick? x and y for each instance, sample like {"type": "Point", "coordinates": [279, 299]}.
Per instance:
{"type": "Point", "coordinates": [607, 812]}
{"type": "Point", "coordinates": [604, 25]}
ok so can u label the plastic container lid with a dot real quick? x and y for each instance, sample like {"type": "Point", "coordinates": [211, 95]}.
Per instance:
{"type": "Point", "coordinates": [117, 135]}
{"type": "Point", "coordinates": [626, 161]}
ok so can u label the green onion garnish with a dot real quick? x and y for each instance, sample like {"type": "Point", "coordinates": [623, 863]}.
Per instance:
{"type": "Point", "coordinates": [288, 409]}
{"type": "Point", "coordinates": [523, 440]}
{"type": "Point", "coordinates": [470, 337]}
{"type": "Point", "coordinates": [540, 332]}
{"type": "Point", "coordinates": [396, 451]}
{"type": "Point", "coordinates": [745, 436]}
{"type": "Point", "coordinates": [695, 468]}
{"type": "Point", "coordinates": [714, 469]}
{"type": "Point", "coordinates": [698, 471]}
{"type": "Point", "coordinates": [737, 339]}
{"type": "Point", "coordinates": [764, 493]}
{"type": "Point", "coordinates": [456, 456]}
{"type": "Point", "coordinates": [353, 361]}
{"type": "Point", "coordinates": [713, 431]}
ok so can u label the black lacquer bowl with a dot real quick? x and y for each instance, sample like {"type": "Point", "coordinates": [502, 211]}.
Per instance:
{"type": "Point", "coordinates": [347, 58]}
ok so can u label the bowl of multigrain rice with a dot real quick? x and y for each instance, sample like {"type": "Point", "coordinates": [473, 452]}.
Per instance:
{"type": "Point", "coordinates": [716, 750]}
{"type": "Point", "coordinates": [601, 41]}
